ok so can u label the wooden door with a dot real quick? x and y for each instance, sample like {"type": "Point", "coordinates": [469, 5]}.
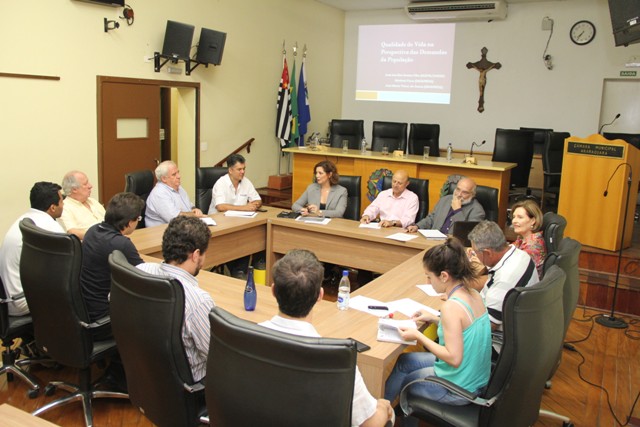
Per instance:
{"type": "Point", "coordinates": [128, 131]}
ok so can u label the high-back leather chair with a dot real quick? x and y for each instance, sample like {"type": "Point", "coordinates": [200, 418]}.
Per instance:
{"type": "Point", "coordinates": [424, 135]}
{"type": "Point", "coordinates": [420, 187]}
{"type": "Point", "coordinates": [392, 135]}
{"type": "Point", "coordinates": [349, 130]}
{"type": "Point", "coordinates": [553, 226]}
{"type": "Point", "coordinates": [258, 376]}
{"type": "Point", "coordinates": [50, 273]}
{"type": "Point", "coordinates": [147, 314]}
{"type": "Point", "coordinates": [140, 183]}
{"type": "Point", "coordinates": [352, 184]}
{"type": "Point", "coordinates": [515, 146]}
{"type": "Point", "coordinates": [552, 154]}
{"type": "Point", "coordinates": [205, 179]}
{"type": "Point", "coordinates": [516, 385]}
{"type": "Point", "coordinates": [12, 328]}
{"type": "Point", "coordinates": [486, 196]}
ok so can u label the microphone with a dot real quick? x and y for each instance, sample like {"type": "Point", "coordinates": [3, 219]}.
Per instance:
{"type": "Point", "coordinates": [610, 123]}
{"type": "Point", "coordinates": [476, 145]}
{"type": "Point", "coordinates": [606, 190]}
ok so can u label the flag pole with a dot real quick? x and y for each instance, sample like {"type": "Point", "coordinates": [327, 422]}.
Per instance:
{"type": "Point", "coordinates": [284, 56]}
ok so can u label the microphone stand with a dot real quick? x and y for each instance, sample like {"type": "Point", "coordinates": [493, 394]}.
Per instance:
{"type": "Point", "coordinates": [611, 321]}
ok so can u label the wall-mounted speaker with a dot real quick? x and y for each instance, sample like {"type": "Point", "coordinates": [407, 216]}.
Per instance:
{"type": "Point", "coordinates": [211, 46]}
{"type": "Point", "coordinates": [177, 40]}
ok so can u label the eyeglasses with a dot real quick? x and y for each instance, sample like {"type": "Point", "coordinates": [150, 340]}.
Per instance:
{"type": "Point", "coordinates": [139, 218]}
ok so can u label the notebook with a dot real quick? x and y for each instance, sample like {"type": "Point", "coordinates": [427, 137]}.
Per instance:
{"type": "Point", "coordinates": [461, 230]}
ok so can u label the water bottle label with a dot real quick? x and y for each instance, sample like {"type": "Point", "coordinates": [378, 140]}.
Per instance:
{"type": "Point", "coordinates": [248, 289]}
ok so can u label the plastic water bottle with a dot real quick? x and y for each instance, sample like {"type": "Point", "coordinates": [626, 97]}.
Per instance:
{"type": "Point", "coordinates": [363, 146]}
{"type": "Point", "coordinates": [449, 152]}
{"type": "Point", "coordinates": [344, 288]}
{"type": "Point", "coordinates": [250, 294]}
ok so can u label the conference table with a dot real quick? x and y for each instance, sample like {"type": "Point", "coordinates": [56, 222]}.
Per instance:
{"type": "Point", "coordinates": [340, 241]}
{"type": "Point", "coordinates": [370, 165]}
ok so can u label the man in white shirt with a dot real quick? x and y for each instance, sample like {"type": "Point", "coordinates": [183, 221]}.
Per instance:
{"type": "Point", "coordinates": [81, 210]}
{"type": "Point", "coordinates": [234, 191]}
{"type": "Point", "coordinates": [297, 286]}
{"type": "Point", "coordinates": [46, 206]}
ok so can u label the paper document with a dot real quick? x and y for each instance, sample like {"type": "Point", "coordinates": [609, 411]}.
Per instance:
{"type": "Point", "coordinates": [433, 234]}
{"type": "Point", "coordinates": [388, 330]}
{"type": "Point", "coordinates": [375, 225]}
{"type": "Point", "coordinates": [244, 214]}
{"type": "Point", "coordinates": [409, 307]}
{"type": "Point", "coordinates": [362, 303]}
{"type": "Point", "coordinates": [207, 220]}
{"type": "Point", "coordinates": [314, 219]}
{"type": "Point", "coordinates": [402, 237]}
{"type": "Point", "coordinates": [428, 289]}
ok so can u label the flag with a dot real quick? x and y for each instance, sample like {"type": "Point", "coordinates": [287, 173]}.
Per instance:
{"type": "Point", "coordinates": [304, 113]}
{"type": "Point", "coordinates": [294, 107]}
{"type": "Point", "coordinates": [283, 119]}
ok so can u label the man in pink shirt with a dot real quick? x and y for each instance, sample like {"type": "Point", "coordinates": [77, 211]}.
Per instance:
{"type": "Point", "coordinates": [396, 207]}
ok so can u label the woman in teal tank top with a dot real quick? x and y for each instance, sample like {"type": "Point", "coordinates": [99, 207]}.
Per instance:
{"type": "Point", "coordinates": [463, 354]}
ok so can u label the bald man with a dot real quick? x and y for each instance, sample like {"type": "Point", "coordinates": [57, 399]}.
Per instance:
{"type": "Point", "coordinates": [81, 211]}
{"type": "Point", "coordinates": [395, 207]}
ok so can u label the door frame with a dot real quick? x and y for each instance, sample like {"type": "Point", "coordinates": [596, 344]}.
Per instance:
{"type": "Point", "coordinates": [165, 107]}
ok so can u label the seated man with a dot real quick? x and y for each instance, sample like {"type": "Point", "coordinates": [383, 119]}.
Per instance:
{"type": "Point", "coordinates": [120, 220]}
{"type": "Point", "coordinates": [46, 206]}
{"type": "Point", "coordinates": [184, 244]}
{"type": "Point", "coordinates": [168, 199]}
{"type": "Point", "coordinates": [508, 267]}
{"type": "Point", "coordinates": [297, 286]}
{"type": "Point", "coordinates": [81, 211]}
{"type": "Point", "coordinates": [234, 191]}
{"type": "Point", "coordinates": [396, 207]}
{"type": "Point", "coordinates": [459, 206]}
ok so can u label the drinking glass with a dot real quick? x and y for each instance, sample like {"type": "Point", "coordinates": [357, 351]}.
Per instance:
{"type": "Point", "coordinates": [425, 153]}
{"type": "Point", "coordinates": [345, 146]}
{"type": "Point", "coordinates": [385, 151]}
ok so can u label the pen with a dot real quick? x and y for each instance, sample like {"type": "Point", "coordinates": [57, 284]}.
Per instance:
{"type": "Point", "coordinates": [378, 307]}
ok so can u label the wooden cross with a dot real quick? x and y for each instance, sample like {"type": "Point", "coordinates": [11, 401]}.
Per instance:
{"type": "Point", "coordinates": [483, 66]}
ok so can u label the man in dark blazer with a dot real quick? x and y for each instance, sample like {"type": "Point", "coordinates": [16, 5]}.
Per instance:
{"type": "Point", "coordinates": [459, 206]}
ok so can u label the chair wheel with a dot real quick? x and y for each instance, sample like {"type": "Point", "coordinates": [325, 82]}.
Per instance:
{"type": "Point", "coordinates": [33, 393]}
{"type": "Point", "coordinates": [9, 376]}
{"type": "Point", "coordinates": [567, 424]}
{"type": "Point", "coordinates": [49, 390]}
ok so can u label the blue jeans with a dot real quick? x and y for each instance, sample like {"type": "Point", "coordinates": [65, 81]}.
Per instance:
{"type": "Point", "coordinates": [413, 366]}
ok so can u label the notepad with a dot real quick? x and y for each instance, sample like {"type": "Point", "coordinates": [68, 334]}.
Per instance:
{"type": "Point", "coordinates": [433, 234]}
{"type": "Point", "coordinates": [388, 330]}
{"type": "Point", "coordinates": [243, 214]}
{"type": "Point", "coordinates": [208, 220]}
{"type": "Point", "coordinates": [314, 219]}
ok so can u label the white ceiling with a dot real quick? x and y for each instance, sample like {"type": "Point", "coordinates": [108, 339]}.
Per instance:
{"type": "Point", "coordinates": [385, 4]}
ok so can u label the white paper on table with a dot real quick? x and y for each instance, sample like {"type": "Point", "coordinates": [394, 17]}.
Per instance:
{"type": "Point", "coordinates": [362, 303]}
{"type": "Point", "coordinates": [314, 220]}
{"type": "Point", "coordinates": [388, 330]}
{"type": "Point", "coordinates": [244, 214]}
{"type": "Point", "coordinates": [409, 307]}
{"type": "Point", "coordinates": [375, 225]}
{"type": "Point", "coordinates": [428, 289]}
{"type": "Point", "coordinates": [208, 220]}
{"type": "Point", "coordinates": [402, 237]}
{"type": "Point", "coordinates": [433, 234]}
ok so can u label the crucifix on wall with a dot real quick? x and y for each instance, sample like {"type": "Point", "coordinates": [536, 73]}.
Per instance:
{"type": "Point", "coordinates": [483, 66]}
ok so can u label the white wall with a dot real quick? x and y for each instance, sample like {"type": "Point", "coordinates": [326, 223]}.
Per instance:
{"type": "Point", "coordinates": [49, 127]}
{"type": "Point", "coordinates": [523, 92]}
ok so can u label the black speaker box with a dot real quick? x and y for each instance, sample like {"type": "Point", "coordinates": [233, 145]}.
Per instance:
{"type": "Point", "coordinates": [211, 46]}
{"type": "Point", "coordinates": [177, 40]}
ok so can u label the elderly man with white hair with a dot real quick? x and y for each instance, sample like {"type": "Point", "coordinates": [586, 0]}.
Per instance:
{"type": "Point", "coordinates": [168, 199]}
{"type": "Point", "coordinates": [81, 211]}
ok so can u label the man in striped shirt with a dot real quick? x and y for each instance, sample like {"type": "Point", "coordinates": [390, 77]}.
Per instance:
{"type": "Point", "coordinates": [184, 247]}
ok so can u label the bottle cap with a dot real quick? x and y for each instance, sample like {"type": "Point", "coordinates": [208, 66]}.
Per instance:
{"type": "Point", "coordinates": [345, 272]}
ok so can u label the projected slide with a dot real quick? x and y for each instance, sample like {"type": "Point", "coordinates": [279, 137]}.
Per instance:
{"type": "Point", "coordinates": [405, 63]}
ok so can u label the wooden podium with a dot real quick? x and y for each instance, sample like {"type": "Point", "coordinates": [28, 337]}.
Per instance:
{"type": "Point", "coordinates": [587, 170]}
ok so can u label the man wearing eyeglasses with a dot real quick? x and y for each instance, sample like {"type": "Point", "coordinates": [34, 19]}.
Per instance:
{"type": "Point", "coordinates": [459, 206]}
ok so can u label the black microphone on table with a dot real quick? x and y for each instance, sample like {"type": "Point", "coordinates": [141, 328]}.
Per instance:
{"type": "Point", "coordinates": [606, 191]}
{"type": "Point", "coordinates": [476, 145]}
{"type": "Point", "coordinates": [610, 123]}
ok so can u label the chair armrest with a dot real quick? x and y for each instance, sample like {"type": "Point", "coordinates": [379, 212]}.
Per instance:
{"type": "Point", "coordinates": [194, 388]}
{"type": "Point", "coordinates": [13, 298]}
{"type": "Point", "coordinates": [98, 323]}
{"type": "Point", "coordinates": [497, 337]}
{"type": "Point", "coordinates": [551, 173]}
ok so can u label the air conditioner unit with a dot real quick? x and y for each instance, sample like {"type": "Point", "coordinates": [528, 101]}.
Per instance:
{"type": "Point", "coordinates": [451, 11]}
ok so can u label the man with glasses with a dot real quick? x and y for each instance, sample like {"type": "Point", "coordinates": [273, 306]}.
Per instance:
{"type": "Point", "coordinates": [459, 206]}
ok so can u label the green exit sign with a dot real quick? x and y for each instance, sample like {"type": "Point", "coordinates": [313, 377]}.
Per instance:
{"type": "Point", "coordinates": [628, 73]}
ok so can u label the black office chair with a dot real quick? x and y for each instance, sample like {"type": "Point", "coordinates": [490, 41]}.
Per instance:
{"type": "Point", "coordinates": [552, 155]}
{"type": "Point", "coordinates": [553, 226]}
{"type": "Point", "coordinates": [252, 371]}
{"type": "Point", "coordinates": [486, 196]}
{"type": "Point", "coordinates": [392, 135]}
{"type": "Point", "coordinates": [140, 183]}
{"type": "Point", "coordinates": [205, 180]}
{"type": "Point", "coordinates": [424, 135]}
{"type": "Point", "coordinates": [420, 187]}
{"type": "Point", "coordinates": [12, 328]}
{"type": "Point", "coordinates": [515, 146]}
{"type": "Point", "coordinates": [352, 184]}
{"type": "Point", "coordinates": [349, 130]}
{"type": "Point", "coordinates": [147, 314]}
{"type": "Point", "coordinates": [50, 273]}
{"type": "Point", "coordinates": [516, 385]}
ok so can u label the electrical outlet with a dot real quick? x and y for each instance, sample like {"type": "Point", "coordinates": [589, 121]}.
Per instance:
{"type": "Point", "coordinates": [547, 24]}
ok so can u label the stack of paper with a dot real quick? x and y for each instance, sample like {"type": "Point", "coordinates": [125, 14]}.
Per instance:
{"type": "Point", "coordinates": [433, 234]}
{"type": "Point", "coordinates": [314, 219]}
{"type": "Point", "coordinates": [208, 220]}
{"type": "Point", "coordinates": [244, 214]}
{"type": "Point", "coordinates": [388, 330]}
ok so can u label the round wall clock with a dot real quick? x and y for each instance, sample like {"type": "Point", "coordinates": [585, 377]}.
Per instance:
{"type": "Point", "coordinates": [582, 32]}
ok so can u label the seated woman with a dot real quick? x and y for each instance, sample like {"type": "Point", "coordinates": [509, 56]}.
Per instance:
{"type": "Point", "coordinates": [323, 197]}
{"type": "Point", "coordinates": [527, 223]}
{"type": "Point", "coordinates": [463, 355]}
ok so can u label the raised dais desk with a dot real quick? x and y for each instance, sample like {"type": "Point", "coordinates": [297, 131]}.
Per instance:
{"type": "Point", "coordinates": [436, 170]}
